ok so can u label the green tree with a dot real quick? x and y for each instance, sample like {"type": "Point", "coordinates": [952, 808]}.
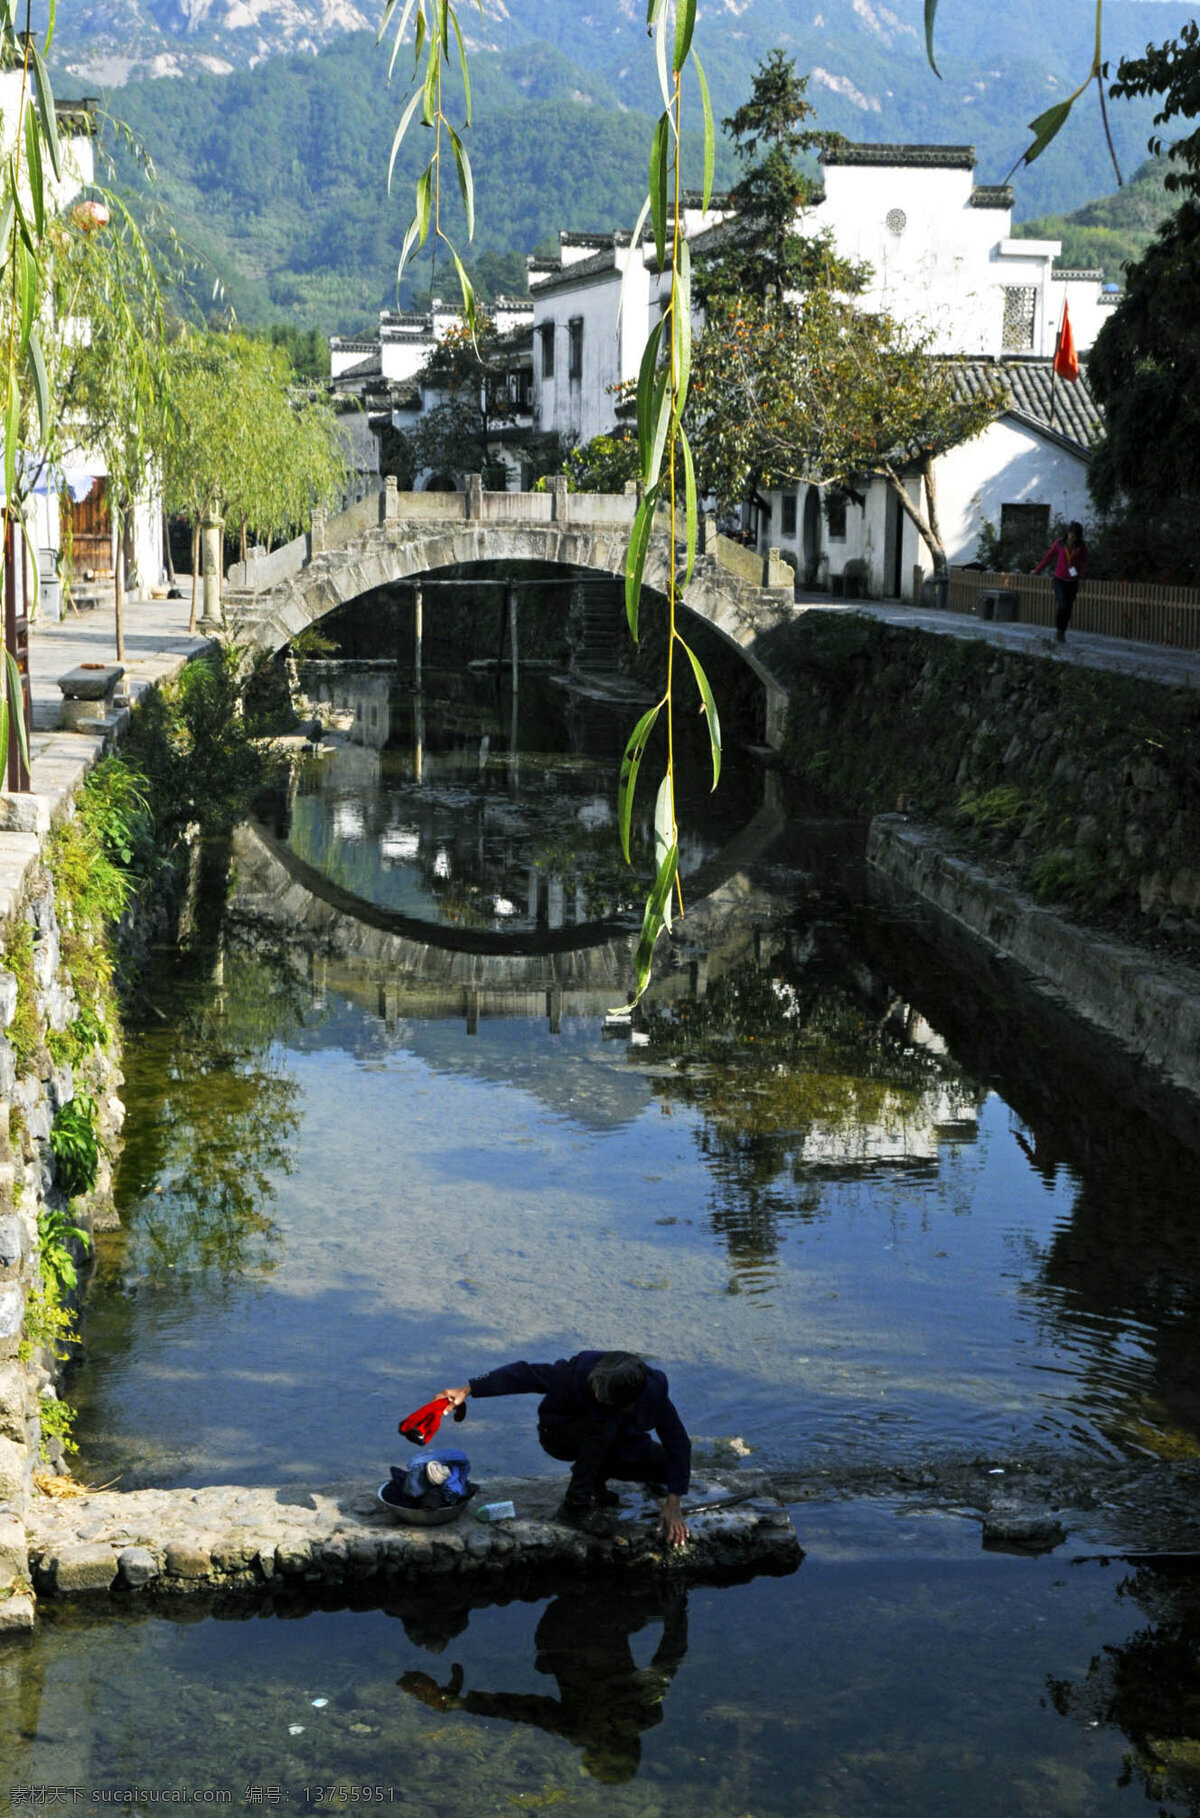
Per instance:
{"type": "Point", "coordinates": [110, 363]}
{"type": "Point", "coordinates": [830, 394]}
{"type": "Point", "coordinates": [245, 443]}
{"type": "Point", "coordinates": [1145, 364]}
{"type": "Point", "coordinates": [760, 253]}
{"type": "Point", "coordinates": [470, 377]}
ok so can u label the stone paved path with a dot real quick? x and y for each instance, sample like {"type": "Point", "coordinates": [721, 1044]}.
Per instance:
{"type": "Point", "coordinates": [158, 645]}
{"type": "Point", "coordinates": [222, 1537]}
{"type": "Point", "coordinates": [1085, 649]}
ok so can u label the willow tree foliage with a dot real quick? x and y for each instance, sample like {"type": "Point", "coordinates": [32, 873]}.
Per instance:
{"type": "Point", "coordinates": [110, 358]}
{"type": "Point", "coordinates": [243, 442]}
{"type": "Point", "coordinates": [665, 470]}
{"type": "Point", "coordinates": [34, 171]}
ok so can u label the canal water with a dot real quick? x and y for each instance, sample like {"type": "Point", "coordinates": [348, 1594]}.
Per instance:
{"type": "Point", "coordinates": [867, 1210]}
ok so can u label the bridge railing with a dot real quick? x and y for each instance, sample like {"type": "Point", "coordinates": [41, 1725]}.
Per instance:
{"type": "Point", "coordinates": [390, 508]}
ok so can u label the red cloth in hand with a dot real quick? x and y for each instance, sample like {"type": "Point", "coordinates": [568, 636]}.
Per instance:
{"type": "Point", "coordinates": [423, 1423]}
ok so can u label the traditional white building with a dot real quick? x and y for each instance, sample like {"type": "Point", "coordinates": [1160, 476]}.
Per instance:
{"type": "Point", "coordinates": [945, 263]}
{"type": "Point", "coordinates": [380, 377]}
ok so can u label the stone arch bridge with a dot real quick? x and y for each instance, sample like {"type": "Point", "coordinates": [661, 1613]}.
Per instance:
{"type": "Point", "coordinates": [392, 536]}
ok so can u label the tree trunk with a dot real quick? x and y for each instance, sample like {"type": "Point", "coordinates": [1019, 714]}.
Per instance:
{"type": "Point", "coordinates": [119, 580]}
{"type": "Point", "coordinates": [927, 526]}
{"type": "Point", "coordinates": [242, 540]}
{"type": "Point", "coordinates": [195, 574]}
{"type": "Point", "coordinates": [166, 532]}
{"type": "Point", "coordinates": [936, 545]}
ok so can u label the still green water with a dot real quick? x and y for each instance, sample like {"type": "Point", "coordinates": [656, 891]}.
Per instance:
{"type": "Point", "coordinates": [896, 1673]}
{"type": "Point", "coordinates": [862, 1210]}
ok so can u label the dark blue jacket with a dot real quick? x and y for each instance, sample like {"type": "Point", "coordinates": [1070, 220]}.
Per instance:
{"type": "Point", "coordinates": [564, 1387]}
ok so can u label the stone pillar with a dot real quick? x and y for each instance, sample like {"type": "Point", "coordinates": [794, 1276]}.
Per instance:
{"type": "Point", "coordinates": [316, 535]}
{"type": "Point", "coordinates": [391, 500]}
{"type": "Point", "coordinates": [212, 533]}
{"type": "Point", "coordinates": [556, 486]}
{"type": "Point", "coordinates": [474, 495]}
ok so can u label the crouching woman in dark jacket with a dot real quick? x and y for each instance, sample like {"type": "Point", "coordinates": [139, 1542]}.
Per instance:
{"type": "Point", "coordinates": [597, 1412]}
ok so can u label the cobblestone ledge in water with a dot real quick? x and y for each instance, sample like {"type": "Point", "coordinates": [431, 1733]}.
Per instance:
{"type": "Point", "coordinates": [179, 1542]}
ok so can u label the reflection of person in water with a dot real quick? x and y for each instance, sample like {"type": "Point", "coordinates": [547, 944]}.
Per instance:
{"type": "Point", "coordinates": [605, 1699]}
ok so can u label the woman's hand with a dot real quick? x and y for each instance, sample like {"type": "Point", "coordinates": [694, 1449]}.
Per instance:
{"type": "Point", "coordinates": [670, 1520]}
{"type": "Point", "coordinates": [455, 1397]}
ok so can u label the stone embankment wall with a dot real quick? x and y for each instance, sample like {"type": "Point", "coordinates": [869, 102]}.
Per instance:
{"type": "Point", "coordinates": [1080, 785]}
{"type": "Point", "coordinates": [37, 1003]}
{"type": "Point", "coordinates": [227, 1538]}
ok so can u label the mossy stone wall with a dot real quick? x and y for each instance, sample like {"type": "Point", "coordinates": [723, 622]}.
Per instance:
{"type": "Point", "coordinates": [1085, 785]}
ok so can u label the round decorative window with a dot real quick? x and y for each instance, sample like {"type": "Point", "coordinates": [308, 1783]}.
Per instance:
{"type": "Point", "coordinates": [896, 220]}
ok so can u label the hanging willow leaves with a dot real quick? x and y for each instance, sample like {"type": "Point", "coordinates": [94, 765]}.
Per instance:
{"type": "Point", "coordinates": [436, 28]}
{"type": "Point", "coordinates": [664, 456]}
{"type": "Point", "coordinates": [635, 750]}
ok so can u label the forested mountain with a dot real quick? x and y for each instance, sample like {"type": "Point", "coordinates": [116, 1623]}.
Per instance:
{"type": "Point", "coordinates": [1114, 229]}
{"type": "Point", "coordinates": [276, 173]}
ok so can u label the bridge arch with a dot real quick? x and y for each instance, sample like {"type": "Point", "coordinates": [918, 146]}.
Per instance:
{"type": "Point", "coordinates": [334, 569]}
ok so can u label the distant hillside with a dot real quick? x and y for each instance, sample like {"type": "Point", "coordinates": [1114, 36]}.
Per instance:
{"type": "Point", "coordinates": [1108, 233]}
{"type": "Point", "coordinates": [278, 176]}
{"type": "Point", "coordinates": [276, 173]}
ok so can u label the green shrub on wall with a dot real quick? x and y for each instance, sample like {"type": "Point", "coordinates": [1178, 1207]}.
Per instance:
{"type": "Point", "coordinates": [76, 1145]}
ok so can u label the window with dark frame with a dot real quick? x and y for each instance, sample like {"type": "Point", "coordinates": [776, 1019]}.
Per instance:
{"type": "Point", "coordinates": [575, 332]}
{"type": "Point", "coordinates": [1023, 523]}
{"type": "Point", "coordinates": [788, 520]}
{"type": "Point", "coordinates": [547, 333]}
{"type": "Point", "coordinates": [835, 516]}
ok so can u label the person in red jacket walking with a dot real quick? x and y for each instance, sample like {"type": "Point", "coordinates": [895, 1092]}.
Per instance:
{"type": "Point", "coordinates": [1070, 557]}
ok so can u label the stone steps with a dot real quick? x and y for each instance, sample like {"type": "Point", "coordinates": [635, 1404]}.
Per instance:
{"type": "Point", "coordinates": [229, 1538]}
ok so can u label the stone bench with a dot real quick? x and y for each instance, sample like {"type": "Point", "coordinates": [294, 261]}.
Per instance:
{"type": "Point", "coordinates": [88, 692]}
{"type": "Point", "coordinates": [228, 1538]}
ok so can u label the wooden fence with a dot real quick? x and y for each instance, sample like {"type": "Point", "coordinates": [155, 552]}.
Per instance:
{"type": "Point", "coordinates": [1113, 609]}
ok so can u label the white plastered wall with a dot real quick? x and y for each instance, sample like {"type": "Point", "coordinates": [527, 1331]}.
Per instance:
{"type": "Point", "coordinates": [1008, 464]}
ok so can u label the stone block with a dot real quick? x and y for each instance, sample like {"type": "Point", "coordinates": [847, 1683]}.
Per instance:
{"type": "Point", "coordinates": [12, 1245]}
{"type": "Point", "coordinates": [8, 997]}
{"type": "Point", "coordinates": [12, 1401]}
{"type": "Point", "coordinates": [28, 812]}
{"type": "Point", "coordinates": [18, 1614]}
{"type": "Point", "coordinates": [14, 1462]}
{"type": "Point", "coordinates": [293, 1557]}
{"type": "Point", "coordinates": [187, 1561]}
{"type": "Point", "coordinates": [12, 1310]}
{"type": "Point", "coordinates": [14, 1549]}
{"type": "Point", "coordinates": [138, 1566]}
{"type": "Point", "coordinates": [86, 1567]}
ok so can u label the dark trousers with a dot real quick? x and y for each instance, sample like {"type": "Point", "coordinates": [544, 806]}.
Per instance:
{"type": "Point", "coordinates": [1064, 601]}
{"type": "Point", "coordinates": [597, 1447]}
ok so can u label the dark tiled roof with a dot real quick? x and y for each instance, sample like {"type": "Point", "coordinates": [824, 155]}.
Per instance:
{"type": "Point", "coordinates": [596, 266]}
{"type": "Point", "coordinates": [992, 195]}
{"type": "Point", "coordinates": [1076, 414]}
{"type": "Point", "coordinates": [368, 368]}
{"type": "Point", "coordinates": [946, 157]}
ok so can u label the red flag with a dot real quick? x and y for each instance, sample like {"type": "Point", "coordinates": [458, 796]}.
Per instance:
{"type": "Point", "coordinates": [1066, 360]}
